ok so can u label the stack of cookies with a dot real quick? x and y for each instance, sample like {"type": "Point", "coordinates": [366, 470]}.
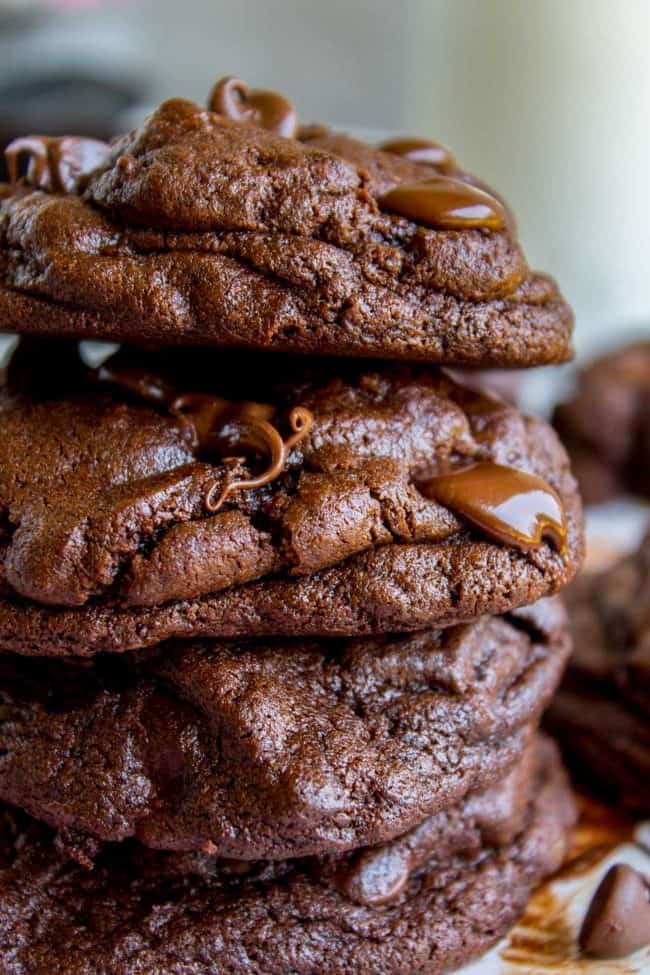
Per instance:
{"type": "Point", "coordinates": [276, 592]}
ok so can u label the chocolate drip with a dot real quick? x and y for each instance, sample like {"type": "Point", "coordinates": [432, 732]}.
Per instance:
{"type": "Point", "coordinates": [216, 426]}
{"type": "Point", "coordinates": [233, 98]}
{"type": "Point", "coordinates": [262, 437]}
{"type": "Point", "coordinates": [57, 165]}
{"type": "Point", "coordinates": [421, 151]}
{"type": "Point", "coordinates": [218, 422]}
{"type": "Point", "coordinates": [509, 505]}
{"type": "Point", "coordinates": [445, 203]}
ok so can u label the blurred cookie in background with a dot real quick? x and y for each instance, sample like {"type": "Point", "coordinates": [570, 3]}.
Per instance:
{"type": "Point", "coordinates": [602, 712]}
{"type": "Point", "coordinates": [606, 425]}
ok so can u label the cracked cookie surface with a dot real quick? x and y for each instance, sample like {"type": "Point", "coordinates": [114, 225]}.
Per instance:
{"type": "Point", "coordinates": [202, 230]}
{"type": "Point", "coordinates": [426, 903]}
{"type": "Point", "coordinates": [106, 542]}
{"type": "Point", "coordinates": [276, 748]}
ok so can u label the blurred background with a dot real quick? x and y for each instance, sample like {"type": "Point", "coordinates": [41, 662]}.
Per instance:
{"type": "Point", "coordinates": [548, 100]}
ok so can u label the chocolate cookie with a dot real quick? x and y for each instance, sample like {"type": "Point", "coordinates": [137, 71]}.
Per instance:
{"type": "Point", "coordinates": [276, 749]}
{"type": "Point", "coordinates": [336, 499]}
{"type": "Point", "coordinates": [208, 230]}
{"type": "Point", "coordinates": [602, 713]}
{"type": "Point", "coordinates": [421, 905]}
{"type": "Point", "coordinates": [606, 426]}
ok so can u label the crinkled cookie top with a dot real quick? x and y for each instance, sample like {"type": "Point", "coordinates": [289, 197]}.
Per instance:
{"type": "Point", "coordinates": [155, 481]}
{"type": "Point", "coordinates": [203, 229]}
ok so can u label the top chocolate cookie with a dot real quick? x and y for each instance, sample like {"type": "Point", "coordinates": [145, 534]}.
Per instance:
{"type": "Point", "coordinates": [205, 229]}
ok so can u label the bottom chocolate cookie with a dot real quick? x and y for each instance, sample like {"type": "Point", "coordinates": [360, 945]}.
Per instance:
{"type": "Point", "coordinates": [424, 903]}
{"type": "Point", "coordinates": [602, 713]}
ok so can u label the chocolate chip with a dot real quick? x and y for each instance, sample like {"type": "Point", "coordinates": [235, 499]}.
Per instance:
{"type": "Point", "coordinates": [376, 877]}
{"type": "Point", "coordinates": [618, 920]}
{"type": "Point", "coordinates": [233, 98]}
{"type": "Point", "coordinates": [57, 165]}
{"type": "Point", "coordinates": [445, 203]}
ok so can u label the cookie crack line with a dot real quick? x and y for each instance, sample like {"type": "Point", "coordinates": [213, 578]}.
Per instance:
{"type": "Point", "coordinates": [338, 311]}
{"type": "Point", "coordinates": [228, 243]}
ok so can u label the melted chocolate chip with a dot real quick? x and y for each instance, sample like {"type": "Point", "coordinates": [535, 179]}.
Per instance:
{"type": "Point", "coordinates": [217, 427]}
{"type": "Point", "coordinates": [57, 165]}
{"type": "Point", "coordinates": [421, 151]}
{"type": "Point", "coordinates": [445, 203]}
{"type": "Point", "coordinates": [264, 437]}
{"type": "Point", "coordinates": [145, 385]}
{"type": "Point", "coordinates": [512, 506]}
{"type": "Point", "coordinates": [618, 920]}
{"type": "Point", "coordinates": [233, 98]}
{"type": "Point", "coordinates": [220, 424]}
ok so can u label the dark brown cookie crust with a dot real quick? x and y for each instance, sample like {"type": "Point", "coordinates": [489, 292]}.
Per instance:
{"type": "Point", "coordinates": [282, 246]}
{"type": "Point", "coordinates": [150, 912]}
{"type": "Point", "coordinates": [606, 425]}
{"type": "Point", "coordinates": [602, 713]}
{"type": "Point", "coordinates": [102, 509]}
{"type": "Point", "coordinates": [277, 749]}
